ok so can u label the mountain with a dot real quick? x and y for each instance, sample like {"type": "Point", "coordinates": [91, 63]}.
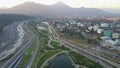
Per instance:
{"type": "Point", "coordinates": [58, 9]}
{"type": "Point", "coordinates": [7, 19]}
{"type": "Point", "coordinates": [111, 10]}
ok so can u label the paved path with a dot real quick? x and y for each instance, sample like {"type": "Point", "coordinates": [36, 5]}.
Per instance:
{"type": "Point", "coordinates": [51, 58]}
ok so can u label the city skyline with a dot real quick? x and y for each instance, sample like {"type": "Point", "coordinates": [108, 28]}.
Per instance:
{"type": "Point", "coordinates": [114, 4]}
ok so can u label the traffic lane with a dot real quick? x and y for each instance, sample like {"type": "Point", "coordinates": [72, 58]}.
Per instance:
{"type": "Point", "coordinates": [21, 52]}
{"type": "Point", "coordinates": [18, 63]}
{"type": "Point", "coordinates": [10, 41]}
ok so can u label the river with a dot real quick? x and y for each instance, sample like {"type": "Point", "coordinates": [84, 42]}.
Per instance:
{"type": "Point", "coordinates": [63, 61]}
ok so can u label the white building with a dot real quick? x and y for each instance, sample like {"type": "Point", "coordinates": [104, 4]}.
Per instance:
{"type": "Point", "coordinates": [99, 31]}
{"type": "Point", "coordinates": [108, 43]}
{"type": "Point", "coordinates": [95, 27]}
{"type": "Point", "coordinates": [72, 22]}
{"type": "Point", "coordinates": [90, 27]}
{"type": "Point", "coordinates": [67, 24]}
{"type": "Point", "coordinates": [117, 42]}
{"type": "Point", "coordinates": [115, 35]}
{"type": "Point", "coordinates": [45, 23]}
{"type": "Point", "coordinates": [104, 25]}
{"type": "Point", "coordinates": [103, 38]}
{"type": "Point", "coordinates": [78, 24]}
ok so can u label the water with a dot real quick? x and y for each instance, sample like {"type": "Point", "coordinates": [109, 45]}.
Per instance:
{"type": "Point", "coordinates": [62, 61]}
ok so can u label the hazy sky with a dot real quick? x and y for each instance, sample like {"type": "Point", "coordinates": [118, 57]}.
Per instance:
{"type": "Point", "coordinates": [72, 3]}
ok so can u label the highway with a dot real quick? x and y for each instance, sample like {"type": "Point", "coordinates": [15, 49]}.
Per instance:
{"type": "Point", "coordinates": [21, 38]}
{"type": "Point", "coordinates": [31, 59]}
{"type": "Point", "coordinates": [9, 32]}
{"type": "Point", "coordinates": [8, 38]}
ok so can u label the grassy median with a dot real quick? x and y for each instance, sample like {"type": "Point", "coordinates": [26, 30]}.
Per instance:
{"type": "Point", "coordinates": [43, 36]}
{"type": "Point", "coordinates": [28, 54]}
{"type": "Point", "coordinates": [84, 61]}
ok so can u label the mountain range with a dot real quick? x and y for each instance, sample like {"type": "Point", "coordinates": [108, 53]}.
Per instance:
{"type": "Point", "coordinates": [58, 9]}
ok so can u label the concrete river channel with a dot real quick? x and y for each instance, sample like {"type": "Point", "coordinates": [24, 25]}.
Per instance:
{"type": "Point", "coordinates": [62, 61]}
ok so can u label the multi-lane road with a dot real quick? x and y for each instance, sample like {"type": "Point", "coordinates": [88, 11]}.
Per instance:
{"type": "Point", "coordinates": [16, 39]}
{"type": "Point", "coordinates": [8, 38]}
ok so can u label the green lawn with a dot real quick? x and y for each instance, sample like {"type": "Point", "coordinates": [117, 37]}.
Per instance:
{"type": "Point", "coordinates": [40, 52]}
{"type": "Point", "coordinates": [84, 61]}
{"type": "Point", "coordinates": [57, 45]}
{"type": "Point", "coordinates": [46, 56]}
{"type": "Point", "coordinates": [42, 47]}
{"type": "Point", "coordinates": [28, 54]}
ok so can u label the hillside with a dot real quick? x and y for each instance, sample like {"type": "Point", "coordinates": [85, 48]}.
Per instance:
{"type": "Point", "coordinates": [7, 19]}
{"type": "Point", "coordinates": [58, 9]}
